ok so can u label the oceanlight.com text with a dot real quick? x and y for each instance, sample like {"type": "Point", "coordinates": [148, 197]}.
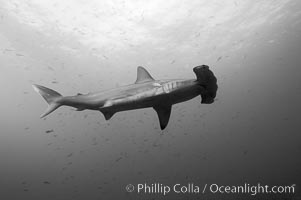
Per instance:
{"type": "Point", "coordinates": [192, 188]}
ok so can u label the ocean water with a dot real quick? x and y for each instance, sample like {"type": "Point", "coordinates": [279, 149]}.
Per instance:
{"type": "Point", "coordinates": [250, 134]}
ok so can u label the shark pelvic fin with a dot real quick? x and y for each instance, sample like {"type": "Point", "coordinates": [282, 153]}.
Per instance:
{"type": "Point", "coordinates": [143, 75]}
{"type": "Point", "coordinates": [163, 112]}
{"type": "Point", "coordinates": [107, 114]}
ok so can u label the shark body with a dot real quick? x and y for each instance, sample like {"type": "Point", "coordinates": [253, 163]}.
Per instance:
{"type": "Point", "coordinates": [145, 92]}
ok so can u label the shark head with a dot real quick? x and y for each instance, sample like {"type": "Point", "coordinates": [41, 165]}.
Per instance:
{"type": "Point", "coordinates": [207, 80]}
{"type": "Point", "coordinates": [202, 73]}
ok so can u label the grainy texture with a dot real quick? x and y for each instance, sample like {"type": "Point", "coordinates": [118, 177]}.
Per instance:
{"type": "Point", "coordinates": [250, 134]}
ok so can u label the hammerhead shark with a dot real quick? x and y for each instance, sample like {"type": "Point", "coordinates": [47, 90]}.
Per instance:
{"type": "Point", "coordinates": [145, 92]}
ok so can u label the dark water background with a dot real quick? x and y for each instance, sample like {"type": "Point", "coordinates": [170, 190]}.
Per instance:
{"type": "Point", "coordinates": [250, 134]}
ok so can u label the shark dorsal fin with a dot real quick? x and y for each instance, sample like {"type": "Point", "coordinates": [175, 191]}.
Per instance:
{"type": "Point", "coordinates": [143, 75]}
{"type": "Point", "coordinates": [163, 112]}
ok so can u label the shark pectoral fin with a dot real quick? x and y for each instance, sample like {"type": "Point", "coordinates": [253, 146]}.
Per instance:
{"type": "Point", "coordinates": [107, 114]}
{"type": "Point", "coordinates": [143, 75]}
{"type": "Point", "coordinates": [163, 112]}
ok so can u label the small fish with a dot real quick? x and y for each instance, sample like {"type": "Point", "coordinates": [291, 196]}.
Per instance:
{"type": "Point", "coordinates": [118, 159]}
{"type": "Point", "coordinates": [49, 131]}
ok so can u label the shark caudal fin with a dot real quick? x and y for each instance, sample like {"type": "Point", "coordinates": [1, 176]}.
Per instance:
{"type": "Point", "coordinates": [208, 81]}
{"type": "Point", "coordinates": [50, 96]}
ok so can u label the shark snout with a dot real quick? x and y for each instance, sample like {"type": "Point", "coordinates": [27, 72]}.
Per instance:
{"type": "Point", "coordinates": [200, 67]}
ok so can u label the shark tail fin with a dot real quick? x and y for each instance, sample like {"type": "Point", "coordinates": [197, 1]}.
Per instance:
{"type": "Point", "coordinates": [208, 81]}
{"type": "Point", "coordinates": [50, 96]}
